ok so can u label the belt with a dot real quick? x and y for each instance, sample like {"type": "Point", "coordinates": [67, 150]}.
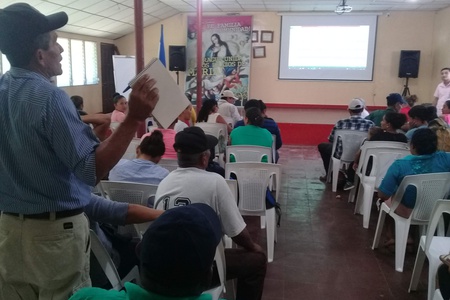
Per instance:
{"type": "Point", "coordinates": [48, 215]}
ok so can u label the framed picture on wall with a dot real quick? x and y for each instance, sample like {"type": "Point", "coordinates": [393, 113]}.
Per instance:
{"type": "Point", "coordinates": [255, 36]}
{"type": "Point", "coordinates": [266, 36]}
{"type": "Point", "coordinates": [259, 51]}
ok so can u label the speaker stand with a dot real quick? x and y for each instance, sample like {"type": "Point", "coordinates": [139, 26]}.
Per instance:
{"type": "Point", "coordinates": [178, 77]}
{"type": "Point", "coordinates": [406, 89]}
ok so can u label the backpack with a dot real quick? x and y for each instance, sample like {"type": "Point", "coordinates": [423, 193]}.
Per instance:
{"type": "Point", "coordinates": [442, 131]}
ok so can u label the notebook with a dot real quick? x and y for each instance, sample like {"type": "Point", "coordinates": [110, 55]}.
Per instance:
{"type": "Point", "coordinates": [172, 100]}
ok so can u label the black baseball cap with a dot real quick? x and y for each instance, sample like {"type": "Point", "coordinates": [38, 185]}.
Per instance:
{"type": "Point", "coordinates": [193, 140]}
{"type": "Point", "coordinates": [21, 23]}
{"type": "Point", "coordinates": [178, 249]}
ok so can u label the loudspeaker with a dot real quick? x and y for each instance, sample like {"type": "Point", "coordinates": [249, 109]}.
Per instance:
{"type": "Point", "coordinates": [177, 58]}
{"type": "Point", "coordinates": [409, 64]}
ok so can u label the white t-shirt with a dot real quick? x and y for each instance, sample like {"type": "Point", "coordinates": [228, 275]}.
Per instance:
{"type": "Point", "coordinates": [229, 112]}
{"type": "Point", "coordinates": [179, 126]}
{"type": "Point", "coordinates": [192, 185]}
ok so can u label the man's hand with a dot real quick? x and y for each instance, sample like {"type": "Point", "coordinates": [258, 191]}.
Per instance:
{"type": "Point", "coordinates": [143, 99]}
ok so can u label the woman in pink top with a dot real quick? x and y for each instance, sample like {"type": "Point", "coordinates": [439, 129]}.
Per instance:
{"type": "Point", "coordinates": [446, 112]}
{"type": "Point", "coordinates": [120, 108]}
{"type": "Point", "coordinates": [169, 140]}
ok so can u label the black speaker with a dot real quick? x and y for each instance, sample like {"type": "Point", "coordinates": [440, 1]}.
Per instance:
{"type": "Point", "coordinates": [409, 64]}
{"type": "Point", "coordinates": [177, 58]}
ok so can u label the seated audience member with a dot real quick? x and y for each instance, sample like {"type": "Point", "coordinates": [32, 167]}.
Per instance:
{"type": "Point", "coordinates": [410, 102]}
{"type": "Point", "coordinates": [193, 119]}
{"type": "Point", "coordinates": [169, 139]}
{"type": "Point", "coordinates": [268, 124]}
{"type": "Point", "coordinates": [394, 103]}
{"type": "Point", "coordinates": [190, 183]}
{"type": "Point", "coordinates": [419, 116]}
{"type": "Point", "coordinates": [208, 114]}
{"type": "Point", "coordinates": [227, 109]}
{"type": "Point", "coordinates": [446, 112]}
{"type": "Point", "coordinates": [424, 159]}
{"type": "Point", "coordinates": [355, 122]}
{"type": "Point", "coordinates": [176, 254]}
{"type": "Point", "coordinates": [79, 104]}
{"type": "Point", "coordinates": [111, 214]}
{"type": "Point", "coordinates": [183, 119]}
{"type": "Point", "coordinates": [389, 131]}
{"type": "Point", "coordinates": [144, 168]}
{"type": "Point", "coordinates": [364, 113]}
{"type": "Point", "coordinates": [120, 108]}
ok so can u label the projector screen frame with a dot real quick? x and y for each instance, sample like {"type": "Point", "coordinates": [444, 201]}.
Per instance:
{"type": "Point", "coordinates": [327, 20]}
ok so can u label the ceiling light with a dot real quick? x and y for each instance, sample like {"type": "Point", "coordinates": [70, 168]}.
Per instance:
{"type": "Point", "coordinates": [343, 8]}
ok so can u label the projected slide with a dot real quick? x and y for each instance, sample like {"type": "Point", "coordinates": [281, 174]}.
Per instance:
{"type": "Point", "coordinates": [322, 47]}
{"type": "Point", "coordinates": [338, 47]}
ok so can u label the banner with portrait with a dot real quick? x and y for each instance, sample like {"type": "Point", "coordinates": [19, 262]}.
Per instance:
{"type": "Point", "coordinates": [226, 51]}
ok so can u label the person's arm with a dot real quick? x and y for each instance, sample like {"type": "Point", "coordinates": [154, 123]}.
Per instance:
{"type": "Point", "coordinates": [140, 214]}
{"type": "Point", "coordinates": [235, 114]}
{"type": "Point", "coordinates": [100, 122]}
{"type": "Point", "coordinates": [143, 99]}
{"type": "Point", "coordinates": [435, 101]}
{"type": "Point", "coordinates": [244, 240]}
{"type": "Point", "coordinates": [221, 120]}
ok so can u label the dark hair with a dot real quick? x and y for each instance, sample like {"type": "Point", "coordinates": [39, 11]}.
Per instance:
{"type": "Point", "coordinates": [412, 99]}
{"type": "Point", "coordinates": [356, 111]}
{"type": "Point", "coordinates": [424, 141]}
{"type": "Point", "coordinates": [188, 160]}
{"type": "Point", "coordinates": [22, 57]}
{"type": "Point", "coordinates": [447, 103]}
{"type": "Point", "coordinates": [446, 68]}
{"type": "Point", "coordinates": [77, 101]}
{"type": "Point", "coordinates": [207, 108]}
{"type": "Point", "coordinates": [117, 97]}
{"type": "Point", "coordinates": [420, 112]}
{"type": "Point", "coordinates": [153, 145]}
{"type": "Point", "coordinates": [432, 112]}
{"type": "Point", "coordinates": [397, 120]}
{"type": "Point", "coordinates": [252, 103]}
{"type": "Point", "coordinates": [262, 105]}
{"type": "Point", "coordinates": [253, 114]}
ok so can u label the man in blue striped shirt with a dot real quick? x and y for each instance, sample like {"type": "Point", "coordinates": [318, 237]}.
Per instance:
{"type": "Point", "coordinates": [49, 160]}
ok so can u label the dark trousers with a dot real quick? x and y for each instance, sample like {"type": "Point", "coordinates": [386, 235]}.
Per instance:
{"type": "Point", "coordinates": [249, 268]}
{"type": "Point", "coordinates": [325, 152]}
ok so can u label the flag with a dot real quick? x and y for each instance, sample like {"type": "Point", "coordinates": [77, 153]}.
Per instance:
{"type": "Point", "coordinates": [162, 52]}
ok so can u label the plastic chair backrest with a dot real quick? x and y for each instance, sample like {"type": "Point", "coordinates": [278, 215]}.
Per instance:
{"type": "Point", "coordinates": [430, 187]}
{"type": "Point", "coordinates": [105, 262]}
{"type": "Point", "coordinates": [232, 184]}
{"type": "Point", "coordinates": [440, 207]}
{"type": "Point", "coordinates": [114, 125]}
{"type": "Point", "coordinates": [253, 180]}
{"type": "Point", "coordinates": [378, 144]}
{"type": "Point", "coordinates": [382, 159]}
{"type": "Point", "coordinates": [438, 295]}
{"type": "Point", "coordinates": [274, 148]}
{"type": "Point", "coordinates": [129, 192]}
{"type": "Point", "coordinates": [249, 153]}
{"type": "Point", "coordinates": [351, 142]}
{"type": "Point", "coordinates": [218, 130]}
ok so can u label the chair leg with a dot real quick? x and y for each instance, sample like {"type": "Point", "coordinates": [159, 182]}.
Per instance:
{"type": "Point", "coordinates": [432, 270]}
{"type": "Point", "coordinates": [367, 205]}
{"type": "Point", "coordinates": [353, 192]}
{"type": "Point", "coordinates": [401, 239]}
{"type": "Point", "coordinates": [379, 230]}
{"type": "Point", "coordinates": [418, 265]}
{"type": "Point", "coordinates": [336, 164]}
{"type": "Point", "coordinates": [270, 229]}
{"type": "Point", "coordinates": [359, 204]}
{"type": "Point", "coordinates": [263, 222]}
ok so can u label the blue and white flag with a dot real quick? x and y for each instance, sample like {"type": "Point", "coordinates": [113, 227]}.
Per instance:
{"type": "Point", "coordinates": [162, 52]}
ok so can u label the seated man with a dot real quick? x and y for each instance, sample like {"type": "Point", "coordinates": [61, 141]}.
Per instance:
{"type": "Point", "coordinates": [190, 183]}
{"type": "Point", "coordinates": [227, 109]}
{"type": "Point", "coordinates": [176, 255]}
{"type": "Point", "coordinates": [394, 103]}
{"type": "Point", "coordinates": [355, 122]}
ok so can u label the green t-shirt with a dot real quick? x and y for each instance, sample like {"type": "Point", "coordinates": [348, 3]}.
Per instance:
{"type": "Point", "coordinates": [251, 135]}
{"type": "Point", "coordinates": [377, 116]}
{"type": "Point", "coordinates": [131, 292]}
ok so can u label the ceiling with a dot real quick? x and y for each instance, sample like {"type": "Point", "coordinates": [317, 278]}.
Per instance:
{"type": "Point", "coordinates": [112, 19]}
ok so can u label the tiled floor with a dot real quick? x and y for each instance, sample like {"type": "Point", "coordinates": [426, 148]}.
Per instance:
{"type": "Point", "coordinates": [323, 252]}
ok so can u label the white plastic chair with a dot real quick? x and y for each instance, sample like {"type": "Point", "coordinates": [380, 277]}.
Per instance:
{"type": "Point", "coordinates": [108, 266]}
{"type": "Point", "coordinates": [130, 192]}
{"type": "Point", "coordinates": [220, 131]}
{"type": "Point", "coordinates": [249, 153]}
{"type": "Point", "coordinates": [169, 164]}
{"type": "Point", "coordinates": [369, 145]}
{"type": "Point", "coordinates": [351, 142]}
{"type": "Point", "coordinates": [382, 158]}
{"type": "Point", "coordinates": [253, 179]}
{"type": "Point", "coordinates": [431, 246]}
{"type": "Point", "coordinates": [430, 187]}
{"type": "Point", "coordinates": [438, 295]}
{"type": "Point", "coordinates": [232, 184]}
{"type": "Point", "coordinates": [113, 125]}
{"type": "Point", "coordinates": [130, 153]}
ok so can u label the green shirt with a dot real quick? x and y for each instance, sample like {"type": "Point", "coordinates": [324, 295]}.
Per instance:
{"type": "Point", "coordinates": [131, 292]}
{"type": "Point", "coordinates": [251, 135]}
{"type": "Point", "coordinates": [377, 116]}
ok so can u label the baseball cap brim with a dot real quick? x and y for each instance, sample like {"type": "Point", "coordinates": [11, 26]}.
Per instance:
{"type": "Point", "coordinates": [57, 20]}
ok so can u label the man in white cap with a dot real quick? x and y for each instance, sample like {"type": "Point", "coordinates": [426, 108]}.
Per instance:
{"type": "Point", "coordinates": [49, 160]}
{"type": "Point", "coordinates": [227, 109]}
{"type": "Point", "coordinates": [355, 122]}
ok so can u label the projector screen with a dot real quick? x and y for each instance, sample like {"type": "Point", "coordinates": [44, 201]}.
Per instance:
{"type": "Point", "coordinates": [322, 47]}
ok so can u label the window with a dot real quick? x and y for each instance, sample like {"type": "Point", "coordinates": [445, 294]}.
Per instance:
{"type": "Point", "coordinates": [79, 62]}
